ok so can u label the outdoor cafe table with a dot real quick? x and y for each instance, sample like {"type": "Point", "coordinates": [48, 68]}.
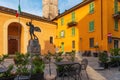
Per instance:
{"type": "Point", "coordinates": [64, 69]}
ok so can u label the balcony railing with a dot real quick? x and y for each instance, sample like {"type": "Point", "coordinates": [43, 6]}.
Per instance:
{"type": "Point", "coordinates": [72, 23]}
{"type": "Point", "coordinates": [119, 0]}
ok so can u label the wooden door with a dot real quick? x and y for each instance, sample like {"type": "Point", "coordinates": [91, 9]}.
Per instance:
{"type": "Point", "coordinates": [12, 46]}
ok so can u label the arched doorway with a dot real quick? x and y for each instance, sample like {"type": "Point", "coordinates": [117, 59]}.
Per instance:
{"type": "Point", "coordinates": [14, 38]}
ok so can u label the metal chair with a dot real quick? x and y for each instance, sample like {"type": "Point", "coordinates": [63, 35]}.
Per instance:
{"type": "Point", "coordinates": [76, 71]}
{"type": "Point", "coordinates": [69, 71]}
{"type": "Point", "coordinates": [84, 64]}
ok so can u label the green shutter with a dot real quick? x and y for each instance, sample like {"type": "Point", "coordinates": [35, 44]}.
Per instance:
{"type": "Point", "coordinates": [73, 16]}
{"type": "Point", "coordinates": [60, 34]}
{"type": "Point", "coordinates": [91, 7]}
{"type": "Point", "coordinates": [115, 6]}
{"type": "Point", "coordinates": [62, 21]}
{"type": "Point", "coordinates": [73, 31]}
{"type": "Point", "coordinates": [91, 26]}
{"type": "Point", "coordinates": [116, 24]}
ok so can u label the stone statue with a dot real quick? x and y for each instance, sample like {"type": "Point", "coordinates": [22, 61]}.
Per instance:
{"type": "Point", "coordinates": [32, 29]}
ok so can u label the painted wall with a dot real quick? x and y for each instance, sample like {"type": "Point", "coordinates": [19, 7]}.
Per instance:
{"type": "Point", "coordinates": [111, 23]}
{"type": "Point", "coordinates": [47, 30]}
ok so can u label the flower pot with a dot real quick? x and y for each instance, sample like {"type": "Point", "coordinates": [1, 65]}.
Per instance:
{"type": "Point", "coordinates": [105, 65]}
{"type": "Point", "coordinates": [37, 76]}
{"type": "Point", "coordinates": [95, 54]}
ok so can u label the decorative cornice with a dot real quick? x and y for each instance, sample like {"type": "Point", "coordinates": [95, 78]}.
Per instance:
{"type": "Point", "coordinates": [73, 8]}
{"type": "Point", "coordinates": [24, 15]}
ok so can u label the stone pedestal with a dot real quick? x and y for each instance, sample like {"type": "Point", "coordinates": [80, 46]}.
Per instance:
{"type": "Point", "coordinates": [34, 47]}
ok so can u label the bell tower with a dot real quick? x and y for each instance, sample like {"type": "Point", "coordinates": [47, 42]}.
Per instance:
{"type": "Point", "coordinates": [49, 9]}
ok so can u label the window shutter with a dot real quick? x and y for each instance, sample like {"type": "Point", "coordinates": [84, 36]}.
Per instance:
{"type": "Point", "coordinates": [73, 31]}
{"type": "Point", "coordinates": [60, 34]}
{"type": "Point", "coordinates": [116, 24]}
{"type": "Point", "coordinates": [115, 6]}
{"type": "Point", "coordinates": [62, 21]}
{"type": "Point", "coordinates": [73, 16]}
{"type": "Point", "coordinates": [91, 7]}
{"type": "Point", "coordinates": [91, 26]}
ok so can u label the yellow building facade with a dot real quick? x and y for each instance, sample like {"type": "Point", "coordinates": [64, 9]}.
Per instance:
{"type": "Point", "coordinates": [90, 24]}
{"type": "Point", "coordinates": [14, 33]}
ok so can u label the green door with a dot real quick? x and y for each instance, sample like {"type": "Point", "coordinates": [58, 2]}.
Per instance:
{"type": "Point", "coordinates": [62, 46]}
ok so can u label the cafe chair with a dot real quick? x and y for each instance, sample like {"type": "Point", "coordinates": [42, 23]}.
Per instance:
{"type": "Point", "coordinates": [75, 71]}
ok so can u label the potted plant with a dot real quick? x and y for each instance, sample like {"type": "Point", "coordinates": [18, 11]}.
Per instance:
{"type": "Point", "coordinates": [114, 60]}
{"type": "Point", "coordinates": [71, 56]}
{"type": "Point", "coordinates": [22, 63]}
{"type": "Point", "coordinates": [96, 51]}
{"type": "Point", "coordinates": [103, 58]}
{"type": "Point", "coordinates": [38, 66]}
{"type": "Point", "coordinates": [58, 57]}
{"type": "Point", "coordinates": [6, 74]}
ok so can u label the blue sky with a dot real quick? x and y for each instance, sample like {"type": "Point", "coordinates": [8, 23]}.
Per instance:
{"type": "Point", "coordinates": [35, 6]}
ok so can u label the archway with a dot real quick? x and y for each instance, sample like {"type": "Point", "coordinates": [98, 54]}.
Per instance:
{"type": "Point", "coordinates": [14, 38]}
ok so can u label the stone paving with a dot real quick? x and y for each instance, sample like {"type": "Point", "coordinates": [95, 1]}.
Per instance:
{"type": "Point", "coordinates": [109, 74]}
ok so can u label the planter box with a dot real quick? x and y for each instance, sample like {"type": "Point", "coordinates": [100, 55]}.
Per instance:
{"type": "Point", "coordinates": [72, 23]}
{"type": "Point", "coordinates": [38, 76]}
{"type": "Point", "coordinates": [7, 78]}
{"type": "Point", "coordinates": [95, 54]}
{"type": "Point", "coordinates": [105, 65]}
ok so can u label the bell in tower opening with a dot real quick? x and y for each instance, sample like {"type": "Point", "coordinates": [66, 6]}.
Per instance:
{"type": "Point", "coordinates": [49, 9]}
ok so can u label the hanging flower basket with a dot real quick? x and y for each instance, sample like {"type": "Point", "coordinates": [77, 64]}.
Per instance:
{"type": "Point", "coordinates": [72, 23]}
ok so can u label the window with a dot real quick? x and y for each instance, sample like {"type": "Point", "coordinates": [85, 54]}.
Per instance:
{"type": "Point", "coordinates": [51, 40]}
{"type": "Point", "coordinates": [116, 25]}
{"type": "Point", "coordinates": [62, 34]}
{"type": "Point", "coordinates": [91, 8]}
{"type": "Point", "coordinates": [116, 43]}
{"type": "Point", "coordinates": [115, 6]}
{"type": "Point", "coordinates": [91, 26]}
{"type": "Point", "coordinates": [73, 31]}
{"type": "Point", "coordinates": [73, 16]}
{"type": "Point", "coordinates": [73, 44]}
{"type": "Point", "coordinates": [62, 21]}
{"type": "Point", "coordinates": [91, 41]}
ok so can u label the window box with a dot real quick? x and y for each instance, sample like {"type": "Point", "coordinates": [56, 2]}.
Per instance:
{"type": "Point", "coordinates": [72, 23]}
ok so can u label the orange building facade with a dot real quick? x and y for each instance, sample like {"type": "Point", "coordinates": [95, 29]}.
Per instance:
{"type": "Point", "coordinates": [14, 33]}
{"type": "Point", "coordinates": [90, 25]}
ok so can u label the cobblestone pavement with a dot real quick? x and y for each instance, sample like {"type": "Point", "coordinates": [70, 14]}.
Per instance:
{"type": "Point", "coordinates": [109, 74]}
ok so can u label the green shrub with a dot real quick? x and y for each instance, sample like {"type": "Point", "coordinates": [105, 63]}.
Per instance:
{"type": "Point", "coordinates": [103, 57]}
